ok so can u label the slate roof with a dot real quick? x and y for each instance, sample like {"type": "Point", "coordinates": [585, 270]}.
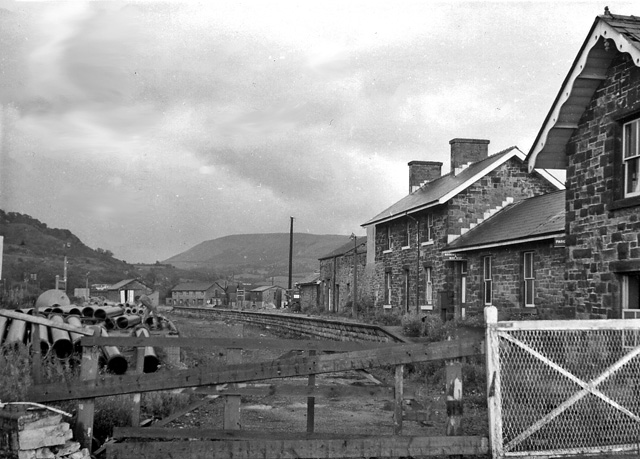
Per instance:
{"type": "Point", "coordinates": [193, 286]}
{"type": "Point", "coordinates": [122, 283]}
{"type": "Point", "coordinates": [310, 279]}
{"type": "Point", "coordinates": [540, 217]}
{"type": "Point", "coordinates": [264, 288]}
{"type": "Point", "coordinates": [589, 69]}
{"type": "Point", "coordinates": [439, 191]}
{"type": "Point", "coordinates": [346, 248]}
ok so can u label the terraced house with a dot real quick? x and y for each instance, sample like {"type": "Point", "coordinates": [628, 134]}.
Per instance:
{"type": "Point", "coordinates": [593, 132]}
{"type": "Point", "coordinates": [407, 259]}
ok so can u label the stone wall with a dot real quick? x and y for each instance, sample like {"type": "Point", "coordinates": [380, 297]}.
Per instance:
{"type": "Point", "coordinates": [330, 329]}
{"type": "Point", "coordinates": [603, 228]}
{"type": "Point", "coordinates": [508, 286]}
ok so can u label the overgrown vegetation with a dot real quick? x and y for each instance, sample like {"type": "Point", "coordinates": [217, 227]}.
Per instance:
{"type": "Point", "coordinates": [16, 378]}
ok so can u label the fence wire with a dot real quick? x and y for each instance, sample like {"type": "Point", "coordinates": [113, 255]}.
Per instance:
{"type": "Point", "coordinates": [545, 405]}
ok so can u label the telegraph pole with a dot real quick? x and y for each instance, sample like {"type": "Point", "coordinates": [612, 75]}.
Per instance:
{"type": "Point", "coordinates": [354, 298]}
{"type": "Point", "coordinates": [290, 255]}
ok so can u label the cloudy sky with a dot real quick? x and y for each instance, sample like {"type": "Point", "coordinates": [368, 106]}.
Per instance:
{"type": "Point", "coordinates": [148, 127]}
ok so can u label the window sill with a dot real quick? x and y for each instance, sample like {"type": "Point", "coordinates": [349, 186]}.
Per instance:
{"type": "Point", "coordinates": [387, 251]}
{"type": "Point", "coordinates": [426, 307]}
{"type": "Point", "coordinates": [406, 247]}
{"type": "Point", "coordinates": [386, 306]}
{"type": "Point", "coordinates": [624, 203]}
{"type": "Point", "coordinates": [427, 243]}
{"type": "Point", "coordinates": [530, 306]}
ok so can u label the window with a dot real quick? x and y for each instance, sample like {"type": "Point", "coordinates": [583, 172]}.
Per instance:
{"type": "Point", "coordinates": [631, 296]}
{"type": "Point", "coordinates": [428, 288]}
{"type": "Point", "coordinates": [631, 159]}
{"type": "Point", "coordinates": [429, 227]}
{"type": "Point", "coordinates": [386, 237]}
{"type": "Point", "coordinates": [529, 297]}
{"type": "Point", "coordinates": [387, 287]}
{"type": "Point", "coordinates": [487, 280]}
{"type": "Point", "coordinates": [463, 282]}
{"type": "Point", "coordinates": [405, 234]}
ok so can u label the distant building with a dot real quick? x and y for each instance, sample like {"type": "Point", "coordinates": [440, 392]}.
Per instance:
{"type": "Point", "coordinates": [196, 294]}
{"type": "Point", "coordinates": [267, 296]}
{"type": "Point", "coordinates": [336, 275]}
{"type": "Point", "coordinates": [309, 289]}
{"type": "Point", "coordinates": [126, 291]}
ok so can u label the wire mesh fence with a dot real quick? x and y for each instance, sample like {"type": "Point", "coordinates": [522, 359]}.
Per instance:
{"type": "Point", "coordinates": [567, 391]}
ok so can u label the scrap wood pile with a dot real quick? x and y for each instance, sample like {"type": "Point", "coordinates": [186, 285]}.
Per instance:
{"type": "Point", "coordinates": [36, 434]}
{"type": "Point", "coordinates": [112, 318]}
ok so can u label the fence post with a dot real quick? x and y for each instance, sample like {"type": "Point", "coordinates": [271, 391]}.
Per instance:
{"type": "Point", "coordinates": [231, 419]}
{"type": "Point", "coordinates": [136, 398]}
{"type": "Point", "coordinates": [493, 381]}
{"type": "Point", "coordinates": [397, 413]}
{"type": "Point", "coordinates": [86, 407]}
{"type": "Point", "coordinates": [311, 401]}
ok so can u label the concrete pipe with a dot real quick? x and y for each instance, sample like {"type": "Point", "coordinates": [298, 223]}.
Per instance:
{"type": "Point", "coordinates": [17, 332]}
{"type": "Point", "coordinates": [113, 359]}
{"type": "Point", "coordinates": [4, 321]}
{"type": "Point", "coordinates": [127, 321]}
{"type": "Point", "coordinates": [60, 339]}
{"type": "Point", "coordinates": [107, 311]}
{"type": "Point", "coordinates": [110, 324]}
{"type": "Point", "coordinates": [151, 361]}
{"type": "Point", "coordinates": [45, 344]}
{"type": "Point", "coordinates": [88, 311]}
{"type": "Point", "coordinates": [67, 310]}
{"type": "Point", "coordinates": [127, 311]}
{"type": "Point", "coordinates": [75, 337]}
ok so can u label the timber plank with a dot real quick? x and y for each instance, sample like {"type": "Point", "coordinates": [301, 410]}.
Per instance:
{"type": "Point", "coordinates": [262, 390]}
{"type": "Point", "coordinates": [232, 343]}
{"type": "Point", "coordinates": [216, 434]}
{"type": "Point", "coordinates": [296, 366]}
{"type": "Point", "coordinates": [338, 447]}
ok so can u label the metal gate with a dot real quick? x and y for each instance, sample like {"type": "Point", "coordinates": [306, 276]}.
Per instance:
{"type": "Point", "coordinates": [563, 387]}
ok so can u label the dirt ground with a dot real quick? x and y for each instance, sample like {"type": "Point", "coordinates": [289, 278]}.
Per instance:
{"type": "Point", "coordinates": [353, 414]}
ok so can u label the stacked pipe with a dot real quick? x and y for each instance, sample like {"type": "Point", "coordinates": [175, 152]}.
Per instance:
{"type": "Point", "coordinates": [151, 361]}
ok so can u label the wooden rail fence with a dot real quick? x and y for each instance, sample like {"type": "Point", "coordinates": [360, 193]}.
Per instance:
{"type": "Point", "coordinates": [237, 378]}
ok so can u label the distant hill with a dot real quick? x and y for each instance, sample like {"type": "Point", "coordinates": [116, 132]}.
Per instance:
{"type": "Point", "coordinates": [259, 255]}
{"type": "Point", "coordinates": [35, 252]}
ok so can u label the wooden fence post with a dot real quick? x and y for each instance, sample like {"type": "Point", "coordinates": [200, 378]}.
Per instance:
{"type": "Point", "coordinates": [136, 398]}
{"type": "Point", "coordinates": [231, 419]}
{"type": "Point", "coordinates": [397, 413]}
{"type": "Point", "coordinates": [493, 381]}
{"type": "Point", "coordinates": [311, 401]}
{"type": "Point", "coordinates": [86, 407]}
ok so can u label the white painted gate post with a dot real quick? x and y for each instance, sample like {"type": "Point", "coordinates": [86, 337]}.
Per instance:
{"type": "Point", "coordinates": [493, 381]}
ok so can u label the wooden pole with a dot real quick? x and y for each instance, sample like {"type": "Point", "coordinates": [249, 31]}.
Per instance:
{"type": "Point", "coordinates": [397, 412]}
{"type": "Point", "coordinates": [136, 398]}
{"type": "Point", "coordinates": [311, 401]}
{"type": "Point", "coordinates": [86, 407]}
{"type": "Point", "coordinates": [290, 286]}
{"type": "Point", "coordinates": [231, 419]}
{"type": "Point", "coordinates": [36, 364]}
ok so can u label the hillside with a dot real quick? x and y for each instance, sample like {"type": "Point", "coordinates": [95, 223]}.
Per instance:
{"type": "Point", "coordinates": [263, 255]}
{"type": "Point", "coordinates": [32, 248]}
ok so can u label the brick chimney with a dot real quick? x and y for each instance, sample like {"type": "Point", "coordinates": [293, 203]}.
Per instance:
{"type": "Point", "coordinates": [467, 151]}
{"type": "Point", "coordinates": [421, 172]}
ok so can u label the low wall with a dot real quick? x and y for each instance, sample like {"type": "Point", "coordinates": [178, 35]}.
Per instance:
{"type": "Point", "coordinates": [330, 329]}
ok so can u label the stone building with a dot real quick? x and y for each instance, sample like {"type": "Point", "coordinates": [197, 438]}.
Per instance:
{"type": "Point", "coordinates": [126, 291]}
{"type": "Point", "coordinates": [405, 262]}
{"type": "Point", "coordinates": [195, 294]}
{"type": "Point", "coordinates": [514, 260]}
{"type": "Point", "coordinates": [592, 132]}
{"type": "Point", "coordinates": [336, 275]}
{"type": "Point", "coordinates": [309, 289]}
